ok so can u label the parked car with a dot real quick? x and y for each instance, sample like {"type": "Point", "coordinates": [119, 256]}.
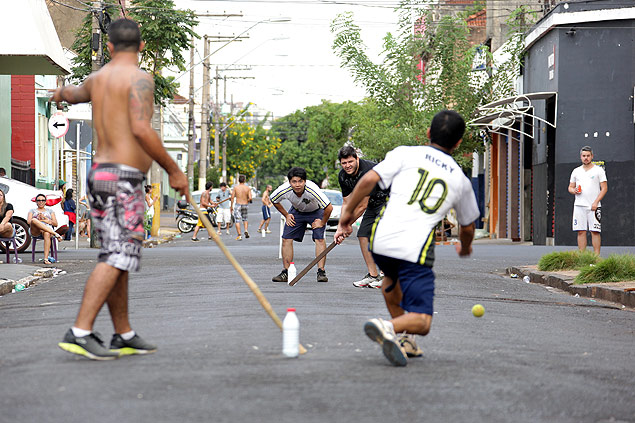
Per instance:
{"type": "Point", "coordinates": [337, 201]}
{"type": "Point", "coordinates": [22, 197]}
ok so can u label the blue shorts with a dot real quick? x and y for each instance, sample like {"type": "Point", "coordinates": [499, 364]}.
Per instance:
{"type": "Point", "coordinates": [301, 221]}
{"type": "Point", "coordinates": [266, 213]}
{"type": "Point", "coordinates": [416, 282]}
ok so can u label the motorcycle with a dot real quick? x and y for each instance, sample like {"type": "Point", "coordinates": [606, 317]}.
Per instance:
{"type": "Point", "coordinates": [186, 218]}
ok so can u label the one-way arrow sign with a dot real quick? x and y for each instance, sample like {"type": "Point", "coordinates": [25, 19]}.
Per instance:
{"type": "Point", "coordinates": [58, 125]}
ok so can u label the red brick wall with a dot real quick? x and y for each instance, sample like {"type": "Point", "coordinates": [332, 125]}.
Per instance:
{"type": "Point", "coordinates": [23, 118]}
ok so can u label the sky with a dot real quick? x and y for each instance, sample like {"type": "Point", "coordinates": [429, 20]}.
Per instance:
{"type": "Point", "coordinates": [290, 65]}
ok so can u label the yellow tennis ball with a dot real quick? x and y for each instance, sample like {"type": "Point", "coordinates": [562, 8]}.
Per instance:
{"type": "Point", "coordinates": [478, 310]}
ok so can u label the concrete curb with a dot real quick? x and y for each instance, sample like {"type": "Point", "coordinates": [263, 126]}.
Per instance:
{"type": "Point", "coordinates": [165, 235]}
{"type": "Point", "coordinates": [7, 286]}
{"type": "Point", "coordinates": [619, 292]}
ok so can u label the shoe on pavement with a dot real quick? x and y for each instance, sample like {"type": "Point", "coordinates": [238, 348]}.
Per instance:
{"type": "Point", "coordinates": [90, 346]}
{"type": "Point", "coordinates": [267, 231]}
{"type": "Point", "coordinates": [195, 239]}
{"type": "Point", "coordinates": [282, 277]}
{"type": "Point", "coordinates": [246, 234]}
{"type": "Point", "coordinates": [227, 231]}
{"type": "Point", "coordinates": [321, 275]}
{"type": "Point", "coordinates": [136, 345]}
{"type": "Point", "coordinates": [364, 282]}
{"type": "Point", "coordinates": [377, 282]}
{"type": "Point", "coordinates": [378, 331]}
{"type": "Point", "coordinates": [407, 342]}
{"type": "Point", "coordinates": [239, 238]}
{"type": "Point", "coordinates": [219, 232]}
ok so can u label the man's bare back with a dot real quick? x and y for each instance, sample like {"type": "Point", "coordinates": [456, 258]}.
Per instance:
{"type": "Point", "coordinates": [122, 98]}
{"type": "Point", "coordinates": [242, 193]}
{"type": "Point", "coordinates": [121, 94]}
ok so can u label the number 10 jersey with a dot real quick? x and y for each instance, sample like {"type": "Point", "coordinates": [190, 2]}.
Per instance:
{"type": "Point", "coordinates": [425, 183]}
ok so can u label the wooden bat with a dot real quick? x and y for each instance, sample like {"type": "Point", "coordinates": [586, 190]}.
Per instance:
{"type": "Point", "coordinates": [313, 263]}
{"type": "Point", "coordinates": [250, 283]}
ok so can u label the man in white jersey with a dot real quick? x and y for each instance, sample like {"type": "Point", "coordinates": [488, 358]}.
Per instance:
{"type": "Point", "coordinates": [309, 206]}
{"type": "Point", "coordinates": [425, 183]}
{"type": "Point", "coordinates": [588, 184]}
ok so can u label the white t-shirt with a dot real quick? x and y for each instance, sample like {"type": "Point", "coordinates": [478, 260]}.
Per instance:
{"type": "Point", "coordinates": [425, 183]}
{"type": "Point", "coordinates": [311, 199]}
{"type": "Point", "coordinates": [590, 181]}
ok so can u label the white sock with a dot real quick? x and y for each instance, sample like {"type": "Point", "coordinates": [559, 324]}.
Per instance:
{"type": "Point", "coordinates": [80, 332]}
{"type": "Point", "coordinates": [390, 325]}
{"type": "Point", "coordinates": [128, 335]}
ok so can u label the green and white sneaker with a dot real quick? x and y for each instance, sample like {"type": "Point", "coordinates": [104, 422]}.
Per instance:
{"type": "Point", "coordinates": [90, 346]}
{"type": "Point", "coordinates": [407, 342]}
{"type": "Point", "coordinates": [136, 345]}
{"type": "Point", "coordinates": [378, 331]}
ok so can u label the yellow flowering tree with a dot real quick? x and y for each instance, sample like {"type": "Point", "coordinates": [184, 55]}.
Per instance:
{"type": "Point", "coordinates": [248, 144]}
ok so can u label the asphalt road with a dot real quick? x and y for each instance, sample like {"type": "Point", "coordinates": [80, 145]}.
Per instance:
{"type": "Point", "coordinates": [536, 356]}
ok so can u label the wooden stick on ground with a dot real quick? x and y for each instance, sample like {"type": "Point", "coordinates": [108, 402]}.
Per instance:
{"type": "Point", "coordinates": [313, 263]}
{"type": "Point", "coordinates": [250, 283]}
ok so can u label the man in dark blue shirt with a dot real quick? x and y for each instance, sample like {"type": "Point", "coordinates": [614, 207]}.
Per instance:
{"type": "Point", "coordinates": [353, 168]}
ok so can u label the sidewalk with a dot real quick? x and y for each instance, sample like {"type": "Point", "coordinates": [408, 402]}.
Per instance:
{"type": "Point", "coordinates": [28, 273]}
{"type": "Point", "coordinates": [617, 292]}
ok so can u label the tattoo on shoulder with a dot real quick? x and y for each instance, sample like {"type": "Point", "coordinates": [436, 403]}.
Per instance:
{"type": "Point", "coordinates": [142, 98]}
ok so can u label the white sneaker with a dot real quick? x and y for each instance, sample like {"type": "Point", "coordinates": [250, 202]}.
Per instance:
{"type": "Point", "coordinates": [366, 280]}
{"type": "Point", "coordinates": [376, 282]}
{"type": "Point", "coordinates": [378, 331]}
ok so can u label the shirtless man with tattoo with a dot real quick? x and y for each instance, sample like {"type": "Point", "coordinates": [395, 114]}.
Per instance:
{"type": "Point", "coordinates": [122, 98]}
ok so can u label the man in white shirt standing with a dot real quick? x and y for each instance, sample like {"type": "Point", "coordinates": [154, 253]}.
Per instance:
{"type": "Point", "coordinates": [425, 183]}
{"type": "Point", "coordinates": [588, 184]}
{"type": "Point", "coordinates": [309, 206]}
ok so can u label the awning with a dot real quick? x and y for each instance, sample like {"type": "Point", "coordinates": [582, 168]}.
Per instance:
{"type": "Point", "coordinates": [502, 114]}
{"type": "Point", "coordinates": [31, 45]}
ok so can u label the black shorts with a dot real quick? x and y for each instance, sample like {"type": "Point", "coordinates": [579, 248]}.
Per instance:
{"type": "Point", "coordinates": [366, 227]}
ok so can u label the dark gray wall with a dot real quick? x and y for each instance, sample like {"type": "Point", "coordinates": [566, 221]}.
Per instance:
{"type": "Point", "coordinates": [594, 78]}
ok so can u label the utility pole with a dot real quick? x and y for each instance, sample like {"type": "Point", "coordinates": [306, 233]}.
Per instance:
{"type": "Point", "coordinates": [217, 124]}
{"type": "Point", "coordinates": [202, 166]}
{"type": "Point", "coordinates": [97, 55]}
{"type": "Point", "coordinates": [191, 128]}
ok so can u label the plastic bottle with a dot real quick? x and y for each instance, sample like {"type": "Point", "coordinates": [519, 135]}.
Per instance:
{"type": "Point", "coordinates": [19, 287]}
{"type": "Point", "coordinates": [291, 334]}
{"type": "Point", "coordinates": [292, 272]}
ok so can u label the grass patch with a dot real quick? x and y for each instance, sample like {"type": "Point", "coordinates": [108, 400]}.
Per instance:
{"type": "Point", "coordinates": [615, 268]}
{"type": "Point", "coordinates": [567, 260]}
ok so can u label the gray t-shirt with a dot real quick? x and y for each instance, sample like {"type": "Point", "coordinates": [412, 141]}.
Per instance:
{"type": "Point", "coordinates": [222, 196]}
{"type": "Point", "coordinates": [46, 214]}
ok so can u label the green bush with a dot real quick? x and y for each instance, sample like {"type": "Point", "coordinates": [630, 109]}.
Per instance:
{"type": "Point", "coordinates": [567, 260]}
{"type": "Point", "coordinates": [615, 268]}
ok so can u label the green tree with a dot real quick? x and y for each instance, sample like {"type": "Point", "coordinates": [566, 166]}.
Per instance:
{"type": "Point", "coordinates": [166, 31]}
{"type": "Point", "coordinates": [310, 138]}
{"type": "Point", "coordinates": [402, 100]}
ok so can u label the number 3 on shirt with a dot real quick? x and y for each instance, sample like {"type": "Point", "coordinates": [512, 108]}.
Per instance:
{"type": "Point", "coordinates": [429, 187]}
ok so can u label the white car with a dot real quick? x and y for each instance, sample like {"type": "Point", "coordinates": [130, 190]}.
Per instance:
{"type": "Point", "coordinates": [22, 197]}
{"type": "Point", "coordinates": [337, 201]}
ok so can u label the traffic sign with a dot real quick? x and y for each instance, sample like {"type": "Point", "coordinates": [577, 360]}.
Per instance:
{"type": "Point", "coordinates": [58, 125]}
